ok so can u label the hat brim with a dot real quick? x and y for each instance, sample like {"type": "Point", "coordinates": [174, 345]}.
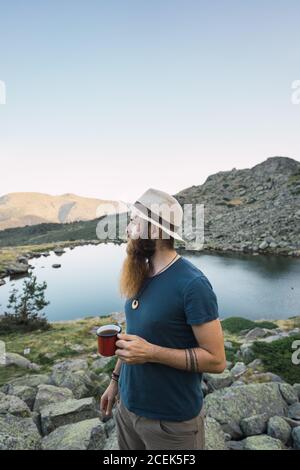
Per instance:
{"type": "Point", "coordinates": [132, 207]}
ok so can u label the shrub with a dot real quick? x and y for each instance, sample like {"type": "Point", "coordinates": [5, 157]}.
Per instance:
{"type": "Point", "coordinates": [277, 358]}
{"type": "Point", "coordinates": [25, 308]}
{"type": "Point", "coordinates": [237, 324]}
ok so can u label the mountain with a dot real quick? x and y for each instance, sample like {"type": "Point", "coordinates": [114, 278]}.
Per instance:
{"type": "Point", "coordinates": [251, 210]}
{"type": "Point", "coordinates": [21, 209]}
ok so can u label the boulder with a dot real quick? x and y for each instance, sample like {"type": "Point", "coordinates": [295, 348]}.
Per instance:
{"type": "Point", "coordinates": [254, 425]}
{"type": "Point", "coordinates": [296, 388]}
{"type": "Point", "coordinates": [238, 369]}
{"type": "Point", "coordinates": [247, 352]}
{"type": "Point", "coordinates": [18, 433]}
{"type": "Point", "coordinates": [257, 364]}
{"type": "Point", "coordinates": [29, 380]}
{"type": "Point", "coordinates": [231, 405]}
{"type": "Point", "coordinates": [19, 361]}
{"type": "Point", "coordinates": [100, 363]}
{"type": "Point", "coordinates": [288, 393]}
{"type": "Point", "coordinates": [279, 429]}
{"type": "Point", "coordinates": [88, 434]}
{"type": "Point", "coordinates": [13, 405]}
{"type": "Point", "coordinates": [217, 381]}
{"type": "Point", "coordinates": [48, 394]}
{"type": "Point", "coordinates": [17, 268]}
{"type": "Point", "coordinates": [67, 412]}
{"type": "Point", "coordinates": [296, 437]}
{"type": "Point", "coordinates": [74, 374]}
{"type": "Point", "coordinates": [214, 435]}
{"type": "Point", "coordinates": [294, 411]}
{"type": "Point", "coordinates": [25, 393]}
{"type": "Point", "coordinates": [262, 442]}
{"type": "Point", "coordinates": [256, 333]}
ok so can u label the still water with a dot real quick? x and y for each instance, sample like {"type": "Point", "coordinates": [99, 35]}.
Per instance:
{"type": "Point", "coordinates": [256, 287]}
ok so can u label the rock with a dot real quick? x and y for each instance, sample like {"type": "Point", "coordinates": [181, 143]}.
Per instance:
{"type": "Point", "coordinates": [262, 442]}
{"type": "Point", "coordinates": [296, 437]}
{"type": "Point", "coordinates": [263, 245]}
{"type": "Point", "coordinates": [228, 344]}
{"type": "Point", "coordinates": [18, 433]}
{"type": "Point", "coordinates": [48, 394]}
{"type": "Point", "coordinates": [296, 388]}
{"type": "Point", "coordinates": [88, 434]}
{"type": "Point", "coordinates": [279, 429]}
{"type": "Point", "coordinates": [256, 333]}
{"type": "Point", "coordinates": [19, 361]}
{"type": "Point", "coordinates": [293, 423]}
{"type": "Point", "coordinates": [294, 411]}
{"type": "Point", "coordinates": [56, 265]}
{"type": "Point", "coordinates": [271, 339]}
{"type": "Point", "coordinates": [238, 369]}
{"type": "Point", "coordinates": [25, 393]}
{"type": "Point", "coordinates": [253, 425]}
{"type": "Point", "coordinates": [22, 259]}
{"type": "Point", "coordinates": [288, 393]}
{"type": "Point", "coordinates": [231, 405]}
{"type": "Point", "coordinates": [67, 412]}
{"type": "Point", "coordinates": [30, 380]}
{"type": "Point", "coordinates": [256, 364]}
{"type": "Point", "coordinates": [59, 250]}
{"type": "Point", "coordinates": [217, 381]}
{"type": "Point", "coordinates": [2, 282]}
{"type": "Point", "coordinates": [247, 352]}
{"type": "Point", "coordinates": [74, 374]}
{"type": "Point", "coordinates": [71, 365]}
{"type": "Point", "coordinates": [17, 268]}
{"type": "Point", "coordinates": [238, 383]}
{"type": "Point", "coordinates": [214, 436]}
{"type": "Point", "coordinates": [233, 430]}
{"type": "Point", "coordinates": [100, 362]}
{"type": "Point", "coordinates": [13, 405]}
{"type": "Point", "coordinates": [235, 445]}
{"type": "Point", "coordinates": [264, 377]}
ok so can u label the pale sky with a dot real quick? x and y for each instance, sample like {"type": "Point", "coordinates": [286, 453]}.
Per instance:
{"type": "Point", "coordinates": [108, 98]}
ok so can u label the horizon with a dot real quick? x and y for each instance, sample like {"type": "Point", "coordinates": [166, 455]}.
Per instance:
{"type": "Point", "coordinates": [118, 199]}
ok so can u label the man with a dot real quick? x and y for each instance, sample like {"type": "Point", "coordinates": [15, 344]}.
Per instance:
{"type": "Point", "coordinates": [173, 335]}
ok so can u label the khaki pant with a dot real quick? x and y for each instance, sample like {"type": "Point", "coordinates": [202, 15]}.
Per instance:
{"type": "Point", "coordinates": [138, 432]}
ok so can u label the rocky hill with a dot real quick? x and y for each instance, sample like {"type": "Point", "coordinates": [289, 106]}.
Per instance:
{"type": "Point", "coordinates": [250, 210]}
{"type": "Point", "coordinates": [21, 209]}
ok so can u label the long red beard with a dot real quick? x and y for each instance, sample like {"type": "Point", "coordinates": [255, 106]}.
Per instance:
{"type": "Point", "coordinates": [135, 267]}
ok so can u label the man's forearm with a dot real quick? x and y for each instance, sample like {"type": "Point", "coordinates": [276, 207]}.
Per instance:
{"type": "Point", "coordinates": [192, 359]}
{"type": "Point", "coordinates": [118, 365]}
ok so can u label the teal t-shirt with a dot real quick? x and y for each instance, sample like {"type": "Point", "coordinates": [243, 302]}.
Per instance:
{"type": "Point", "coordinates": [170, 303]}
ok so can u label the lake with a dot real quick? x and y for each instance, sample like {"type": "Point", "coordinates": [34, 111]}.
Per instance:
{"type": "Point", "coordinates": [256, 287]}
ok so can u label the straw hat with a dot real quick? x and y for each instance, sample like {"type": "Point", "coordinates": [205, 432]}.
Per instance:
{"type": "Point", "coordinates": [160, 209]}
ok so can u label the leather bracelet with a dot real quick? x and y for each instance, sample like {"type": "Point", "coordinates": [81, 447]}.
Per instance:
{"type": "Point", "coordinates": [115, 373]}
{"type": "Point", "coordinates": [114, 379]}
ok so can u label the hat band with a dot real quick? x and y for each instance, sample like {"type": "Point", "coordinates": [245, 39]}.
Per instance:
{"type": "Point", "coordinates": [157, 218]}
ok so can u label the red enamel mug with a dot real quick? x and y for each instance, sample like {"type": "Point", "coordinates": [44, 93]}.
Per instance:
{"type": "Point", "coordinates": [107, 337]}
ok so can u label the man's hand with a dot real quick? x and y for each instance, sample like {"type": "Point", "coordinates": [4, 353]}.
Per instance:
{"type": "Point", "coordinates": [134, 349]}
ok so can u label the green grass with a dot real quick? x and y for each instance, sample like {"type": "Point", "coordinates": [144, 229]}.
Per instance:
{"type": "Point", "coordinates": [58, 341]}
{"type": "Point", "coordinates": [277, 358]}
{"type": "Point", "coordinates": [237, 324]}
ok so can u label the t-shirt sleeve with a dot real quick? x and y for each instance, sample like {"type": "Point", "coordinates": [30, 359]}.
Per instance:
{"type": "Point", "coordinates": [200, 302]}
